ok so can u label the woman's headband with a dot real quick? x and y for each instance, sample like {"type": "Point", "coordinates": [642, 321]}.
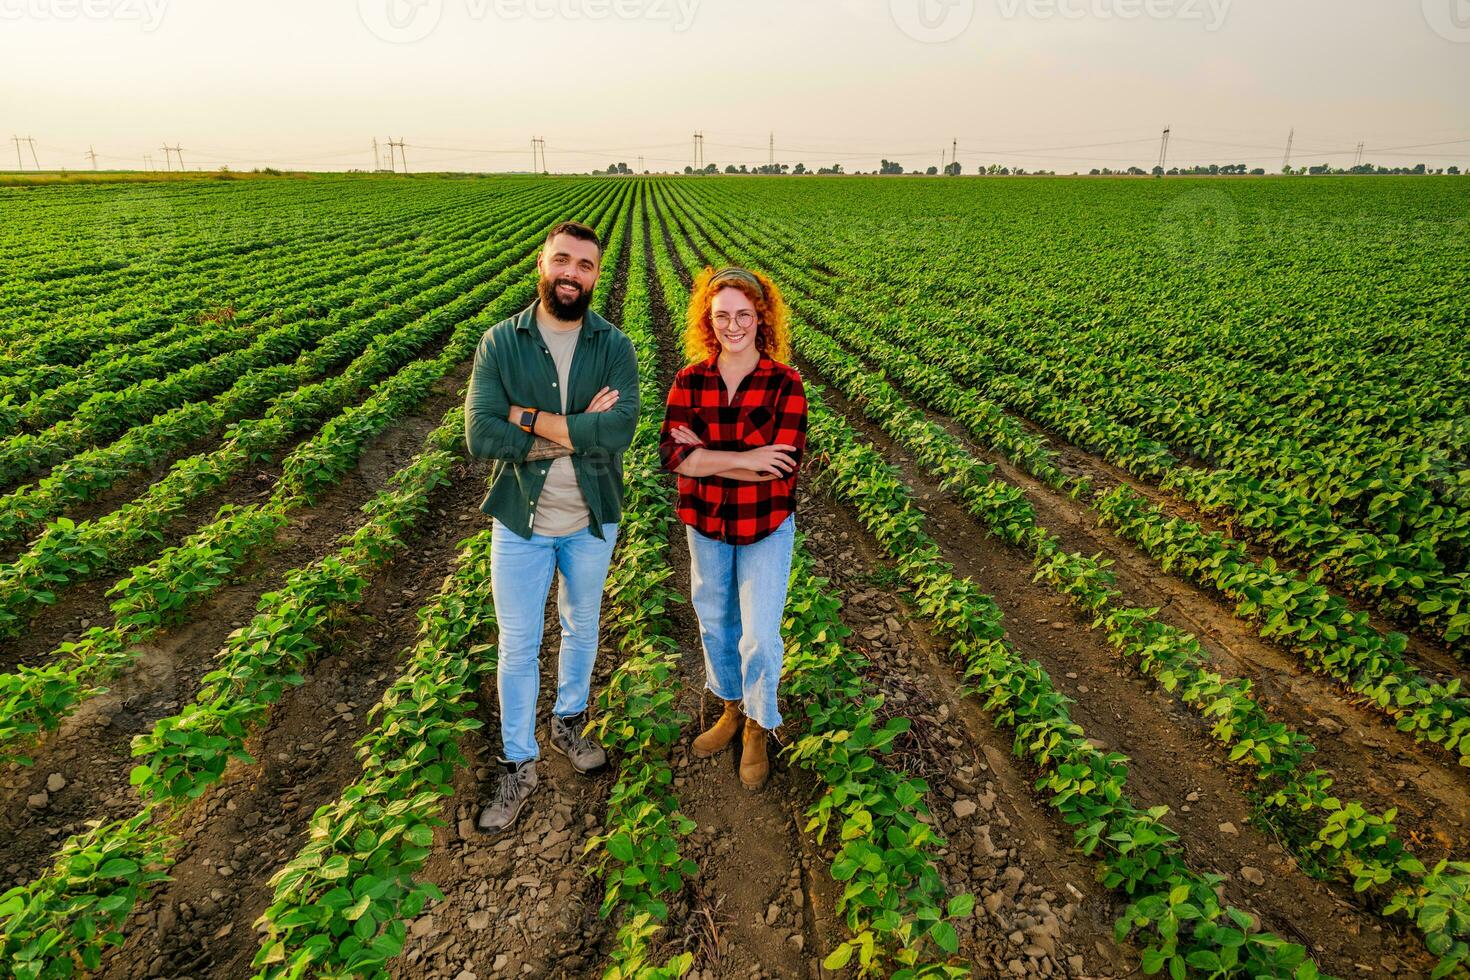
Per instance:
{"type": "Point", "coordinates": [735, 272]}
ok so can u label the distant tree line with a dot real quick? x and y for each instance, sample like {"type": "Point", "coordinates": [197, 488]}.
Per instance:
{"type": "Point", "coordinates": [953, 169]}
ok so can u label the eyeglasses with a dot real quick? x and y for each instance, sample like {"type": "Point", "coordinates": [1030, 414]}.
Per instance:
{"type": "Point", "coordinates": [745, 318]}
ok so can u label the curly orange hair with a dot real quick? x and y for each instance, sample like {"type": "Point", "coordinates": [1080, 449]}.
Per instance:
{"type": "Point", "coordinates": [773, 330]}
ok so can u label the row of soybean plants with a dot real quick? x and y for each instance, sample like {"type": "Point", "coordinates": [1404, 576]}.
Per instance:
{"type": "Point", "coordinates": [319, 344]}
{"type": "Point", "coordinates": [302, 282]}
{"type": "Point", "coordinates": [296, 323]}
{"type": "Point", "coordinates": [64, 322]}
{"type": "Point", "coordinates": [78, 908]}
{"type": "Point", "coordinates": [1341, 418]}
{"type": "Point", "coordinates": [46, 392]}
{"type": "Point", "coordinates": [638, 719]}
{"type": "Point", "coordinates": [319, 340]}
{"type": "Point", "coordinates": [893, 898]}
{"type": "Point", "coordinates": [1329, 835]}
{"type": "Point", "coordinates": [1406, 575]}
{"type": "Point", "coordinates": [33, 700]}
{"type": "Point", "coordinates": [1297, 612]}
{"type": "Point", "coordinates": [176, 251]}
{"type": "Point", "coordinates": [67, 551]}
{"type": "Point", "coordinates": [1174, 911]}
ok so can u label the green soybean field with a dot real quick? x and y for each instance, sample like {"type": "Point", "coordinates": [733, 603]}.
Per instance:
{"type": "Point", "coordinates": [1127, 632]}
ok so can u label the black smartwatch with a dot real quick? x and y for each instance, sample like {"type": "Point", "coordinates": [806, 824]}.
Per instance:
{"type": "Point", "coordinates": [528, 419]}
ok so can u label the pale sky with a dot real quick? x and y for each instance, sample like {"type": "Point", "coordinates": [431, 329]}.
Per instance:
{"type": "Point", "coordinates": [1055, 84]}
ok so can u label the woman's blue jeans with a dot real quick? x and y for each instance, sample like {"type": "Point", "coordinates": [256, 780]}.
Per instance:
{"type": "Point", "coordinates": [520, 578]}
{"type": "Point", "coordinates": [739, 594]}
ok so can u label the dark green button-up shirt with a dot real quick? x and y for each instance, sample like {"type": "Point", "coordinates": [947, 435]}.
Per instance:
{"type": "Point", "coordinates": [513, 367]}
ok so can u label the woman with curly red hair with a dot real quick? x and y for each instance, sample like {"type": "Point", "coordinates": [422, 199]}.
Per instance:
{"type": "Point", "coordinates": [734, 431]}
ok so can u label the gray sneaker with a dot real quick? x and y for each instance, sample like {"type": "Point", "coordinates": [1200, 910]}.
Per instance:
{"type": "Point", "coordinates": [567, 738]}
{"type": "Point", "coordinates": [511, 792]}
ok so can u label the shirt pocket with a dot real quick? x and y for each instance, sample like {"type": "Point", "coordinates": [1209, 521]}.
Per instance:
{"type": "Point", "coordinates": [757, 427]}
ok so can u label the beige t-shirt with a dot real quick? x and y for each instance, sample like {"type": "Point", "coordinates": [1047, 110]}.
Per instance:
{"type": "Point", "coordinates": [561, 508]}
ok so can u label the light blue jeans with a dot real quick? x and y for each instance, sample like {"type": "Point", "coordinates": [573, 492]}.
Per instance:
{"type": "Point", "coordinates": [739, 594]}
{"type": "Point", "coordinates": [520, 578]}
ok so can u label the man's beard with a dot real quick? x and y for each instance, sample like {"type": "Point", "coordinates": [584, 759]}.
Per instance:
{"type": "Point", "coordinates": [546, 289]}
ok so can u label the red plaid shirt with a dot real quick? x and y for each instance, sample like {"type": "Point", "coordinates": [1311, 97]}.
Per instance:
{"type": "Point", "coordinates": [769, 409]}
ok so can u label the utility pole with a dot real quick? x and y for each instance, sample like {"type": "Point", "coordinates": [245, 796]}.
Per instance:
{"type": "Point", "coordinates": [954, 150]}
{"type": "Point", "coordinates": [771, 152]}
{"type": "Point", "coordinates": [377, 160]}
{"type": "Point", "coordinates": [402, 154]}
{"type": "Point", "coordinates": [538, 153]}
{"type": "Point", "coordinates": [179, 152]}
{"type": "Point", "coordinates": [1164, 147]}
{"type": "Point", "coordinates": [1286, 160]}
{"type": "Point", "coordinates": [92, 154]}
{"type": "Point", "coordinates": [167, 161]}
{"type": "Point", "coordinates": [32, 141]}
{"type": "Point", "coordinates": [1358, 158]}
{"type": "Point", "coordinates": [698, 151]}
{"type": "Point", "coordinates": [16, 141]}
{"type": "Point", "coordinates": [148, 162]}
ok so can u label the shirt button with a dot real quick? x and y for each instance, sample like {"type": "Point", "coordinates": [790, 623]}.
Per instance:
{"type": "Point", "coordinates": [553, 384]}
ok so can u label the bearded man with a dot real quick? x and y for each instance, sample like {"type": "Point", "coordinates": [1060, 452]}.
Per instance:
{"type": "Point", "coordinates": [553, 401]}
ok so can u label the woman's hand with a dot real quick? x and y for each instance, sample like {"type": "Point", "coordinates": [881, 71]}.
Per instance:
{"type": "Point", "coordinates": [685, 436]}
{"type": "Point", "coordinates": [777, 459]}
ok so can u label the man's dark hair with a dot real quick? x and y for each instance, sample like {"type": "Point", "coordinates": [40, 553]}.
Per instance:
{"type": "Point", "coordinates": [577, 230]}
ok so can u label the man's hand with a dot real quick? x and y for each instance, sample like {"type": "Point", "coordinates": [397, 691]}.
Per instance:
{"type": "Point", "coordinates": [603, 400]}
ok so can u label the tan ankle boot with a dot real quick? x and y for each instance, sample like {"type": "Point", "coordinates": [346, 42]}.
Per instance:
{"type": "Point", "coordinates": [754, 766]}
{"type": "Point", "coordinates": [719, 735]}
